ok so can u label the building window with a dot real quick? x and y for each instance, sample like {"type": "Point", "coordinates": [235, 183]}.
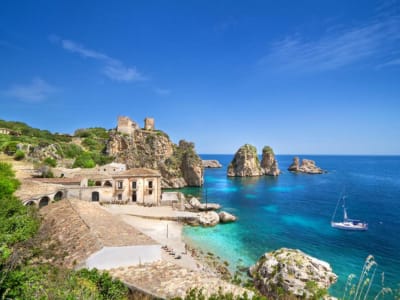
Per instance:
{"type": "Point", "coordinates": [120, 185]}
{"type": "Point", "coordinates": [133, 184]}
{"type": "Point", "coordinates": [119, 196]}
{"type": "Point", "coordinates": [150, 184]}
{"type": "Point", "coordinates": [150, 192]}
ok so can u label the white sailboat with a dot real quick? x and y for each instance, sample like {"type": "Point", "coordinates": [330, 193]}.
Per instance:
{"type": "Point", "coordinates": [347, 224]}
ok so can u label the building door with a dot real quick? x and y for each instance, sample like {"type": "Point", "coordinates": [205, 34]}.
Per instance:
{"type": "Point", "coordinates": [95, 196]}
{"type": "Point", "coordinates": [134, 196]}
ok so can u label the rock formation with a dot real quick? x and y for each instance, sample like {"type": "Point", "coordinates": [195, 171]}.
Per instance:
{"type": "Point", "coordinates": [208, 218]}
{"type": "Point", "coordinates": [179, 164]}
{"type": "Point", "coordinates": [293, 272]}
{"type": "Point", "coordinates": [212, 163]}
{"type": "Point", "coordinates": [269, 164]}
{"type": "Point", "coordinates": [307, 166]}
{"type": "Point", "coordinates": [225, 217]}
{"type": "Point", "coordinates": [195, 205]}
{"type": "Point", "coordinates": [245, 163]}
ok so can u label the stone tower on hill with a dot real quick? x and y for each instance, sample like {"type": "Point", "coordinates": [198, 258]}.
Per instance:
{"type": "Point", "coordinates": [149, 124]}
{"type": "Point", "coordinates": [126, 125]}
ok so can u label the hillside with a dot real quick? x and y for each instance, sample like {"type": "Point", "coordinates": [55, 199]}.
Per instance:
{"type": "Point", "coordinates": [179, 164]}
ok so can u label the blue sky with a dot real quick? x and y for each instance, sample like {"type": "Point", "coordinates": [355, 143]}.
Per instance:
{"type": "Point", "coordinates": [313, 77]}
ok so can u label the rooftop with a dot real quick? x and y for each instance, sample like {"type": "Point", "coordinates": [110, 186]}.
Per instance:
{"type": "Point", "coordinates": [83, 228]}
{"type": "Point", "coordinates": [140, 172]}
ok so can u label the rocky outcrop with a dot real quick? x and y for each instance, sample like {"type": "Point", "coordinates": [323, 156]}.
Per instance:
{"type": "Point", "coordinates": [191, 165]}
{"type": "Point", "coordinates": [225, 217]}
{"type": "Point", "coordinates": [208, 218]}
{"type": "Point", "coordinates": [245, 163]}
{"type": "Point", "coordinates": [211, 163]}
{"type": "Point", "coordinates": [179, 165]}
{"type": "Point", "coordinates": [195, 205]}
{"type": "Point", "coordinates": [269, 164]}
{"type": "Point", "coordinates": [307, 166]}
{"type": "Point", "coordinates": [291, 271]}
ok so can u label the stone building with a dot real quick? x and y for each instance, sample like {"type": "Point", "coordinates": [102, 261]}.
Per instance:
{"type": "Point", "coordinates": [112, 168]}
{"type": "Point", "coordinates": [126, 125]}
{"type": "Point", "coordinates": [139, 185]}
{"type": "Point", "coordinates": [5, 131]}
{"type": "Point", "coordinates": [149, 123]}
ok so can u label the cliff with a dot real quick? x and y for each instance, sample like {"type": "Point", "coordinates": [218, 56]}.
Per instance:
{"type": "Point", "coordinates": [245, 163]}
{"type": "Point", "coordinates": [179, 164]}
{"type": "Point", "coordinates": [269, 164]}
{"type": "Point", "coordinates": [292, 272]}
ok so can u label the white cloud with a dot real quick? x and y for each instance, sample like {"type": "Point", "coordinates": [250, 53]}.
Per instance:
{"type": "Point", "coordinates": [337, 48]}
{"type": "Point", "coordinates": [112, 68]}
{"type": "Point", "coordinates": [36, 91]}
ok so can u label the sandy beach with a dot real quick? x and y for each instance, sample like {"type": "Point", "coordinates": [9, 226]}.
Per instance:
{"type": "Point", "coordinates": [166, 232]}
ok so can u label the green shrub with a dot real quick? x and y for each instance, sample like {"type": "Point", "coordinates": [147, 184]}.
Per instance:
{"type": "Point", "coordinates": [84, 161]}
{"type": "Point", "coordinates": [51, 162]}
{"type": "Point", "coordinates": [8, 183]}
{"type": "Point", "coordinates": [19, 155]}
{"type": "Point", "coordinates": [70, 150]}
{"type": "Point", "coordinates": [10, 148]}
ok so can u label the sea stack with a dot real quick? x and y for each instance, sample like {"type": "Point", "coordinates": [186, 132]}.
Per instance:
{"type": "Point", "coordinates": [245, 163]}
{"type": "Point", "coordinates": [269, 164]}
{"type": "Point", "coordinates": [290, 271]}
{"type": "Point", "coordinates": [307, 166]}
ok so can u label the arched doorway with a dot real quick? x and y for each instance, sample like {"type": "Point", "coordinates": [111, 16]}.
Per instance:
{"type": "Point", "coordinates": [58, 196]}
{"type": "Point", "coordinates": [108, 183]}
{"type": "Point", "coordinates": [95, 196]}
{"type": "Point", "coordinates": [44, 201]}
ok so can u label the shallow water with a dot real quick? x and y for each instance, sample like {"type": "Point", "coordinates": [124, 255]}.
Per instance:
{"type": "Point", "coordinates": [294, 211]}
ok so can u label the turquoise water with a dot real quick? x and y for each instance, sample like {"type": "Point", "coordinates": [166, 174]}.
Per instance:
{"type": "Point", "coordinates": [294, 211]}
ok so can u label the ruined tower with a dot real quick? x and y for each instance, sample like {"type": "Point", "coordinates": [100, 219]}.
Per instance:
{"type": "Point", "coordinates": [126, 125]}
{"type": "Point", "coordinates": [149, 123]}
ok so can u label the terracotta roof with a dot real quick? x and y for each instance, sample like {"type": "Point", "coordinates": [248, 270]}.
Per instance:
{"type": "Point", "coordinates": [83, 228]}
{"type": "Point", "coordinates": [140, 172]}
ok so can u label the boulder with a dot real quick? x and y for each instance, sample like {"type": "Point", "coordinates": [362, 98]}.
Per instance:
{"type": "Point", "coordinates": [209, 206]}
{"type": "Point", "coordinates": [245, 163]}
{"type": "Point", "coordinates": [293, 272]}
{"type": "Point", "coordinates": [208, 218]}
{"type": "Point", "coordinates": [269, 163]}
{"type": "Point", "coordinates": [195, 204]}
{"type": "Point", "coordinates": [307, 166]}
{"type": "Point", "coordinates": [225, 217]}
{"type": "Point", "coordinates": [212, 163]}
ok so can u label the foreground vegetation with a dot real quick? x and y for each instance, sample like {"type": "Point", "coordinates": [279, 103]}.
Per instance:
{"type": "Point", "coordinates": [24, 273]}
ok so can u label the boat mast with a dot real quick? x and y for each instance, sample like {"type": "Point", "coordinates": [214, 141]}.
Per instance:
{"type": "Point", "coordinates": [334, 214]}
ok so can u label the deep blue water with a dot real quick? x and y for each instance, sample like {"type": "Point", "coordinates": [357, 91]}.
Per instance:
{"type": "Point", "coordinates": [294, 211]}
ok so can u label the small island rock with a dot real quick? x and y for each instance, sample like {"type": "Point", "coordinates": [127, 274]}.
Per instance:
{"type": "Point", "coordinates": [291, 270]}
{"type": "Point", "coordinates": [245, 163]}
{"type": "Point", "coordinates": [307, 166]}
{"type": "Point", "coordinates": [208, 218]}
{"type": "Point", "coordinates": [225, 217]}
{"type": "Point", "coordinates": [211, 163]}
{"type": "Point", "coordinates": [269, 163]}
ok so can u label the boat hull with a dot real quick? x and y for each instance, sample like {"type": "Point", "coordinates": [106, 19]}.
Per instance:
{"type": "Point", "coordinates": [350, 226]}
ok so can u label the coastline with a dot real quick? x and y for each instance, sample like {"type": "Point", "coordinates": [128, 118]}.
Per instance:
{"type": "Point", "coordinates": [170, 233]}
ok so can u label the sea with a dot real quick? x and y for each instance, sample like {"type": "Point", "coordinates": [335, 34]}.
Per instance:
{"type": "Point", "coordinates": [295, 210]}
